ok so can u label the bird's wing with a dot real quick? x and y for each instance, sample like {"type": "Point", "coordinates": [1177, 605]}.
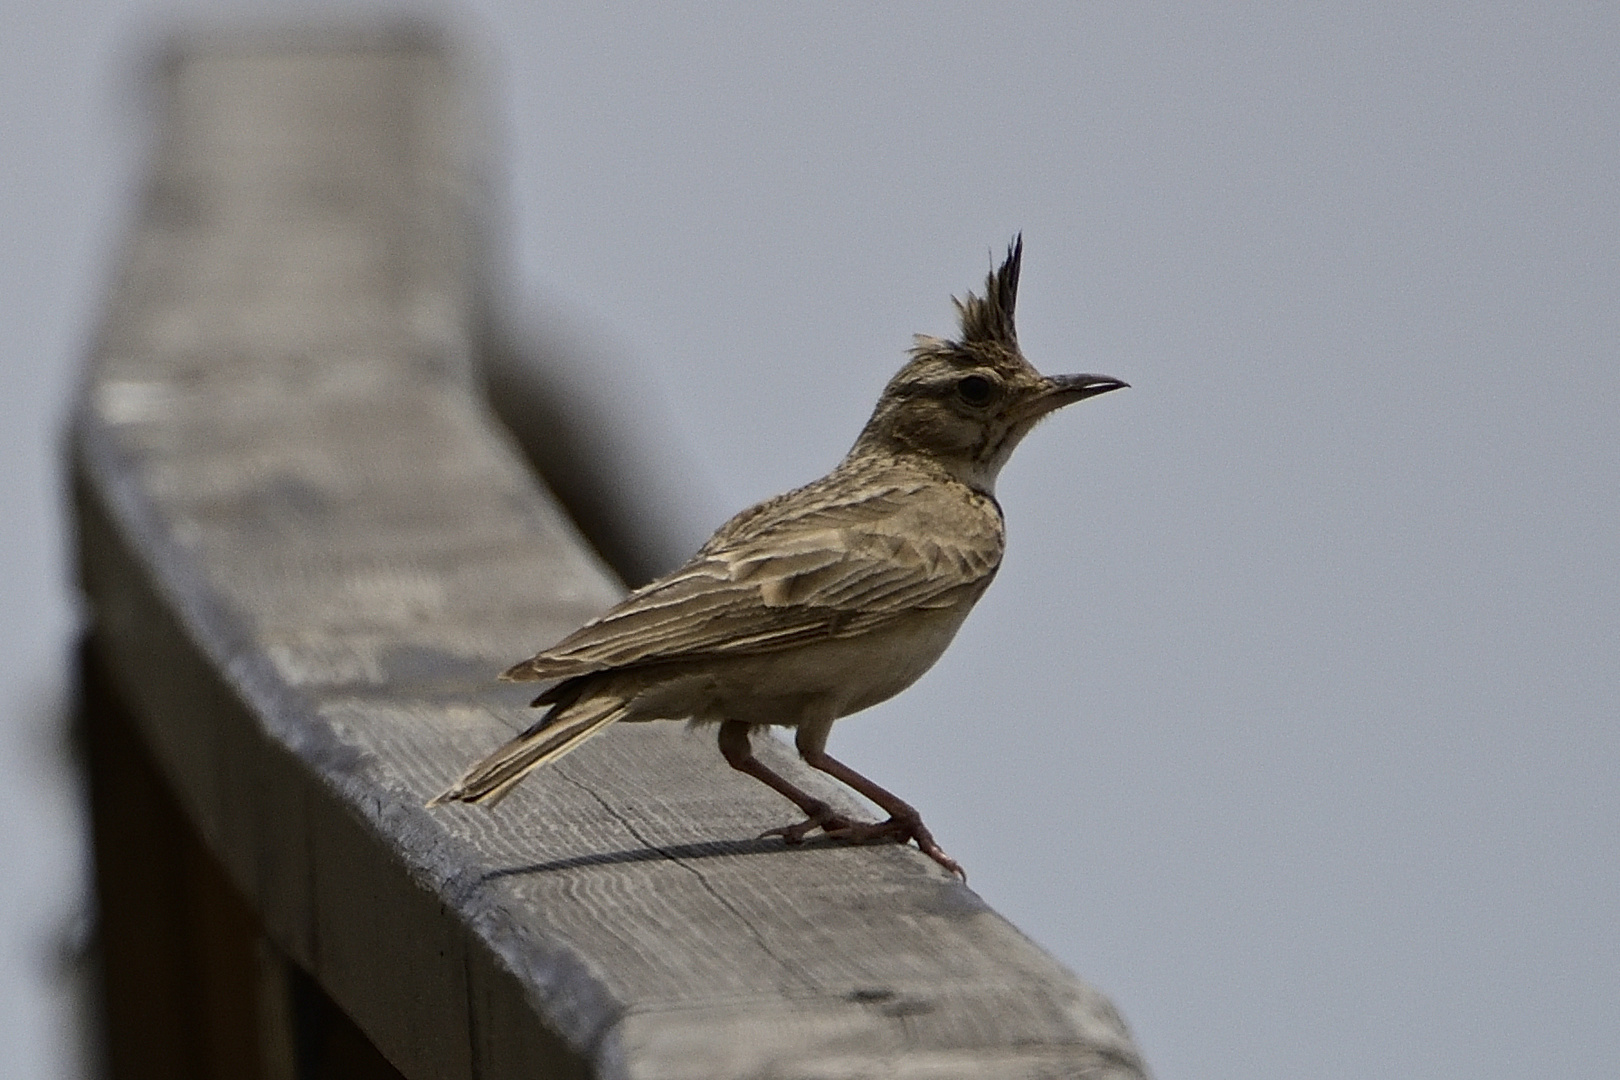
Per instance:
{"type": "Point", "coordinates": [814, 564]}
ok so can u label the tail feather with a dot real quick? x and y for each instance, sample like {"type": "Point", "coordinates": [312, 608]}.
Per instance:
{"type": "Point", "coordinates": [491, 779]}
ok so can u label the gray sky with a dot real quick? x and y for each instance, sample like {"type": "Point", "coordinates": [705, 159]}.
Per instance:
{"type": "Point", "coordinates": [1291, 721]}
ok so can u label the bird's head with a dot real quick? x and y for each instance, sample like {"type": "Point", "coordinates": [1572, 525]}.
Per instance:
{"type": "Point", "coordinates": [965, 404]}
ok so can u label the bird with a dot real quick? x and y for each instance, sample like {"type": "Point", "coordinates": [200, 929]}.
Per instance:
{"type": "Point", "coordinates": [822, 601]}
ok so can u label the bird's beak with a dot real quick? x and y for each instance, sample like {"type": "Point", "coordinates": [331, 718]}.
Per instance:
{"type": "Point", "coordinates": [1064, 390]}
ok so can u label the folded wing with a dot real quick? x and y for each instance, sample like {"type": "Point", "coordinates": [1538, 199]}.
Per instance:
{"type": "Point", "coordinates": [841, 568]}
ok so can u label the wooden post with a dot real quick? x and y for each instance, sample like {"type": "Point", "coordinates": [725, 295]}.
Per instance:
{"type": "Point", "coordinates": [307, 548]}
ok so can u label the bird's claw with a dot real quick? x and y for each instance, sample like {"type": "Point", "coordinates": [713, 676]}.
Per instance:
{"type": "Point", "coordinates": [937, 853]}
{"type": "Point", "coordinates": [831, 824]}
{"type": "Point", "coordinates": [897, 830]}
{"type": "Point", "coordinates": [862, 832]}
{"type": "Point", "coordinates": [904, 829]}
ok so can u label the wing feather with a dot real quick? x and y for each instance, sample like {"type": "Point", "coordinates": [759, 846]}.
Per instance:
{"type": "Point", "coordinates": [834, 559]}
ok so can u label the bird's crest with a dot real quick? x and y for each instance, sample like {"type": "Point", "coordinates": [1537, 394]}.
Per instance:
{"type": "Point", "coordinates": [989, 318]}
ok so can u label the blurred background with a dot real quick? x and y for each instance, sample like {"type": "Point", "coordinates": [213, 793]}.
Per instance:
{"type": "Point", "coordinates": [1291, 721]}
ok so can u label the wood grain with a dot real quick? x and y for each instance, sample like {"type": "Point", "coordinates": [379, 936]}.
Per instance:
{"type": "Point", "coordinates": [308, 548]}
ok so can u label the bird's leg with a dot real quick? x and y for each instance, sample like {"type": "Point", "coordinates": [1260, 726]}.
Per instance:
{"type": "Point", "coordinates": [904, 822]}
{"type": "Point", "coordinates": [739, 754]}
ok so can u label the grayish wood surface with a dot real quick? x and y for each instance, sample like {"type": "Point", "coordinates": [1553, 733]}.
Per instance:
{"type": "Point", "coordinates": [308, 549]}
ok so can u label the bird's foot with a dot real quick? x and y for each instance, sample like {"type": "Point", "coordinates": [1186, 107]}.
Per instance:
{"type": "Point", "coordinates": [821, 817]}
{"type": "Point", "coordinates": [899, 829]}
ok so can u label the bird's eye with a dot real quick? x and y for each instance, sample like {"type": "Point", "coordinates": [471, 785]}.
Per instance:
{"type": "Point", "coordinates": [975, 389]}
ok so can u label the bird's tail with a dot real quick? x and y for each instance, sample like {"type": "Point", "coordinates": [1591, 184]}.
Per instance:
{"type": "Point", "coordinates": [491, 779]}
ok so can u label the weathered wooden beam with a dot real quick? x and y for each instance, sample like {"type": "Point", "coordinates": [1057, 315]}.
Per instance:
{"type": "Point", "coordinates": [307, 548]}
{"type": "Point", "coordinates": [192, 988]}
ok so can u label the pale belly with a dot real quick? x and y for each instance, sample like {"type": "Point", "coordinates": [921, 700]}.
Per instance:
{"type": "Point", "coordinates": [820, 681]}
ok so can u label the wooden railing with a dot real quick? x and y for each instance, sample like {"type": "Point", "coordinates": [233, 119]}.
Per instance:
{"type": "Point", "coordinates": [306, 547]}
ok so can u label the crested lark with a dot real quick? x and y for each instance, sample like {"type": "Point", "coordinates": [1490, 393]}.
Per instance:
{"type": "Point", "coordinates": [823, 601]}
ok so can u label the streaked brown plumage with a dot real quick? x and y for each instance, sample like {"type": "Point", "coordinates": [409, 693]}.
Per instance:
{"type": "Point", "coordinates": [822, 601]}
